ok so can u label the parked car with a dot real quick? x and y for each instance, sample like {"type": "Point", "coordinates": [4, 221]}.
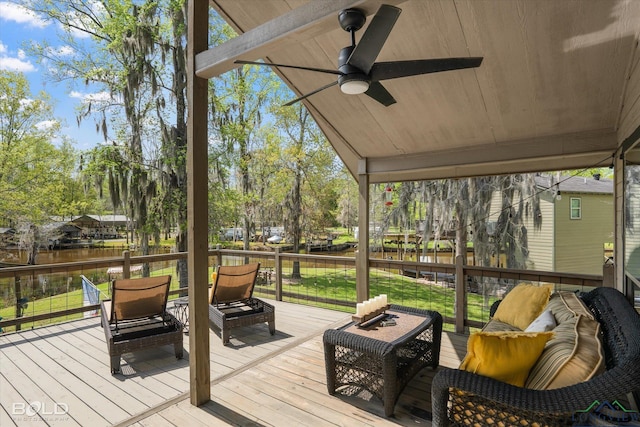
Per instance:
{"type": "Point", "coordinates": [275, 239]}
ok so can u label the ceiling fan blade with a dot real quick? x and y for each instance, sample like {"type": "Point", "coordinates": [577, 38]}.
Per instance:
{"type": "Point", "coordinates": [268, 64]}
{"type": "Point", "coordinates": [310, 93]}
{"type": "Point", "coordinates": [374, 37]}
{"type": "Point", "coordinates": [380, 94]}
{"type": "Point", "coordinates": [396, 69]}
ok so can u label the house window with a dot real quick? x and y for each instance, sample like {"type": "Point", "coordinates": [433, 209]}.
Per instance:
{"type": "Point", "coordinates": [576, 208]}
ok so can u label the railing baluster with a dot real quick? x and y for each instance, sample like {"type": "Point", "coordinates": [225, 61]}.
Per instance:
{"type": "Point", "coordinates": [278, 272]}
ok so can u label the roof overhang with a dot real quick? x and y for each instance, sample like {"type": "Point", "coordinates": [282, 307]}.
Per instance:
{"type": "Point", "coordinates": [551, 93]}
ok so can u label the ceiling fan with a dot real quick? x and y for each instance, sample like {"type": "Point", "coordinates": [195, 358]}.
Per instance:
{"type": "Point", "coordinates": [358, 73]}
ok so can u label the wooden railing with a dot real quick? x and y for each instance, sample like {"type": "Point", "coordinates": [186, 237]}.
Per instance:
{"type": "Point", "coordinates": [460, 278]}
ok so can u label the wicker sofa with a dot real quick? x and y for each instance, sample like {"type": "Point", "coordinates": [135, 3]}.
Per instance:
{"type": "Point", "coordinates": [464, 398]}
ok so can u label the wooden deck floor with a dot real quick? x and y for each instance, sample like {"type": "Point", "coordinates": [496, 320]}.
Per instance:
{"type": "Point", "coordinates": [59, 375]}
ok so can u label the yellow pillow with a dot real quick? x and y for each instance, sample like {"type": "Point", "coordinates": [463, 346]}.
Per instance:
{"type": "Point", "coordinates": [523, 304]}
{"type": "Point", "coordinates": [504, 356]}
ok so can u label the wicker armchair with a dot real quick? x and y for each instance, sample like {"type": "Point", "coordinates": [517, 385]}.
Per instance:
{"type": "Point", "coordinates": [232, 304]}
{"type": "Point", "coordinates": [136, 318]}
{"type": "Point", "coordinates": [463, 398]}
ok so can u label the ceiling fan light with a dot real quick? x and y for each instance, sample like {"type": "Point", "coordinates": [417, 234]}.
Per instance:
{"type": "Point", "coordinates": [354, 87]}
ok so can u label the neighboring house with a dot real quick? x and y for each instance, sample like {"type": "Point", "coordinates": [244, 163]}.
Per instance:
{"type": "Point", "coordinates": [86, 221]}
{"type": "Point", "coordinates": [632, 231]}
{"type": "Point", "coordinates": [60, 232]}
{"type": "Point", "coordinates": [7, 234]}
{"type": "Point", "coordinates": [576, 224]}
{"type": "Point", "coordinates": [102, 226]}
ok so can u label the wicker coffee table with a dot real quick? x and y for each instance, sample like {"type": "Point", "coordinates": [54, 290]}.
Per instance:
{"type": "Point", "coordinates": [380, 359]}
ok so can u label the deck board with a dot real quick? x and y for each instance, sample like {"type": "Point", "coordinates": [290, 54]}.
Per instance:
{"type": "Point", "coordinates": [55, 380]}
{"type": "Point", "coordinates": [258, 380]}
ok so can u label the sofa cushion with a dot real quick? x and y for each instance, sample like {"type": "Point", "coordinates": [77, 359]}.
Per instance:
{"type": "Point", "coordinates": [523, 304]}
{"type": "Point", "coordinates": [494, 325]}
{"type": "Point", "coordinates": [504, 356]}
{"type": "Point", "coordinates": [575, 353]}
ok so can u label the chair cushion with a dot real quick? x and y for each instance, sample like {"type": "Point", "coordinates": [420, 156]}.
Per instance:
{"type": "Point", "coordinates": [523, 304]}
{"type": "Point", "coordinates": [139, 298]}
{"type": "Point", "coordinates": [504, 356]}
{"type": "Point", "coordinates": [212, 288]}
{"type": "Point", "coordinates": [235, 282]}
{"type": "Point", "coordinates": [575, 353]}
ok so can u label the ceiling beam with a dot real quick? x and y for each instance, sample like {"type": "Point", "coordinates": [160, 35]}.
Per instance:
{"type": "Point", "coordinates": [569, 151]}
{"type": "Point", "coordinates": [294, 27]}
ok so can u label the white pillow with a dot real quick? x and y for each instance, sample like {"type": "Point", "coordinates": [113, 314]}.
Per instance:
{"type": "Point", "coordinates": [544, 322]}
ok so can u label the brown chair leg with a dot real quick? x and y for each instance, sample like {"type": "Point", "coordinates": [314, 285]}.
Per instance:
{"type": "Point", "coordinates": [178, 349]}
{"type": "Point", "coordinates": [272, 327]}
{"type": "Point", "coordinates": [225, 335]}
{"type": "Point", "coordinates": [115, 364]}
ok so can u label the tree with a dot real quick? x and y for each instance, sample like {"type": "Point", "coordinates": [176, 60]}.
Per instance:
{"type": "Point", "coordinates": [238, 98]}
{"type": "Point", "coordinates": [307, 162]}
{"type": "Point", "coordinates": [265, 166]}
{"type": "Point", "coordinates": [347, 214]}
{"type": "Point", "coordinates": [462, 209]}
{"type": "Point", "coordinates": [30, 165]}
{"type": "Point", "coordinates": [125, 55]}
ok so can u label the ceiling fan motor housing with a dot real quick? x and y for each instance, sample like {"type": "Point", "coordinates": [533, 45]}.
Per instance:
{"type": "Point", "coordinates": [351, 19]}
{"type": "Point", "coordinates": [352, 75]}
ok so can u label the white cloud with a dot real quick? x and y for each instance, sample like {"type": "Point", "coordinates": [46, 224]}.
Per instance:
{"type": "Point", "coordinates": [12, 63]}
{"type": "Point", "coordinates": [15, 64]}
{"type": "Point", "coordinates": [21, 15]}
{"type": "Point", "coordinates": [46, 124]}
{"type": "Point", "coordinates": [65, 50]}
{"type": "Point", "coordinates": [100, 97]}
{"type": "Point", "coordinates": [75, 32]}
{"type": "Point", "coordinates": [59, 51]}
{"type": "Point", "coordinates": [25, 102]}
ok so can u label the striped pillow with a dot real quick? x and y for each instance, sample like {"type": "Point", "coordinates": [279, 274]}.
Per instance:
{"type": "Point", "coordinates": [498, 326]}
{"type": "Point", "coordinates": [575, 353]}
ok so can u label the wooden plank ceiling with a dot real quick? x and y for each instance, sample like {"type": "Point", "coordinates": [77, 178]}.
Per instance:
{"type": "Point", "coordinates": [547, 96]}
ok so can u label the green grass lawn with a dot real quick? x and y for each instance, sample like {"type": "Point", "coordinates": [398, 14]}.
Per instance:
{"type": "Point", "coordinates": [401, 290]}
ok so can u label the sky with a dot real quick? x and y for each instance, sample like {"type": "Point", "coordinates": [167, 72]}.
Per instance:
{"type": "Point", "coordinates": [18, 26]}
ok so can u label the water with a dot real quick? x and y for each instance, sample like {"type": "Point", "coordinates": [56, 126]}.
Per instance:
{"type": "Point", "coordinates": [55, 256]}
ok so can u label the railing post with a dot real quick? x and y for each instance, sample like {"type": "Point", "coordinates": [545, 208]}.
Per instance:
{"type": "Point", "coordinates": [278, 271]}
{"type": "Point", "coordinates": [460, 294]}
{"type": "Point", "coordinates": [219, 254]}
{"type": "Point", "coordinates": [126, 265]}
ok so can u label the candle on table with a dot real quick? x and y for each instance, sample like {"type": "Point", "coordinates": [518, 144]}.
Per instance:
{"type": "Point", "coordinates": [360, 309]}
{"type": "Point", "coordinates": [367, 307]}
